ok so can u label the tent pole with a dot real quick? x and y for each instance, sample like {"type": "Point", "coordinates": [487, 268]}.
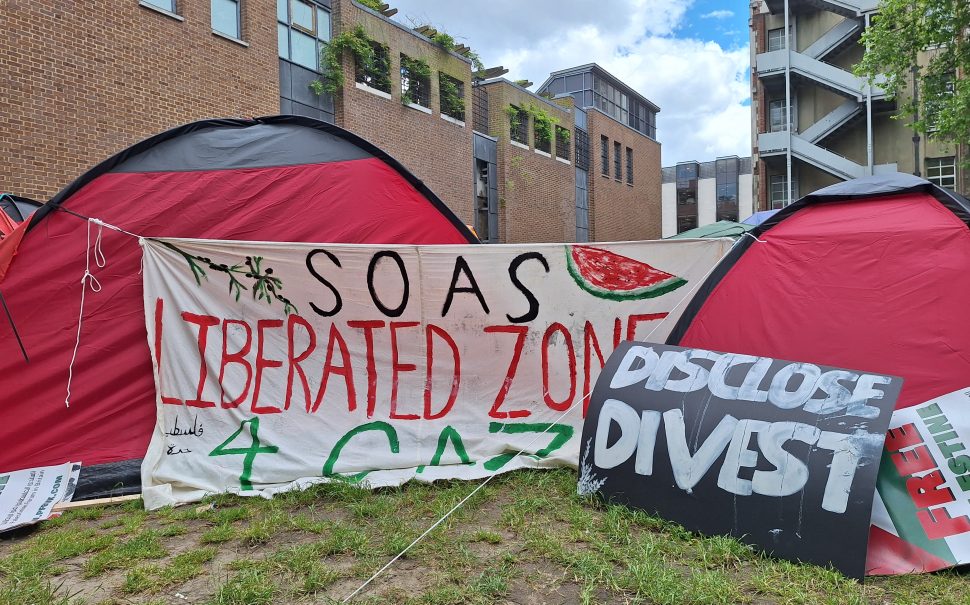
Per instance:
{"type": "Point", "coordinates": [788, 123]}
{"type": "Point", "coordinates": [14, 326]}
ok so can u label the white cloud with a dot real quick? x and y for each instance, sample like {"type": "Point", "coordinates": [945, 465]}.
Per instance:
{"type": "Point", "coordinates": [719, 14]}
{"type": "Point", "coordinates": [700, 87]}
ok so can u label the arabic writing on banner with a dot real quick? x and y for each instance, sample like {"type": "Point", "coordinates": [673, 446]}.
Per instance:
{"type": "Point", "coordinates": [921, 517]}
{"type": "Point", "coordinates": [783, 455]}
{"type": "Point", "coordinates": [277, 364]}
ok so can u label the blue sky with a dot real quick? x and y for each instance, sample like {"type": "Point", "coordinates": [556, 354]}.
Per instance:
{"type": "Point", "coordinates": [690, 57]}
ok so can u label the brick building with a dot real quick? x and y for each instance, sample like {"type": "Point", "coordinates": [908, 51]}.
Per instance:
{"type": "Point", "coordinates": [84, 83]}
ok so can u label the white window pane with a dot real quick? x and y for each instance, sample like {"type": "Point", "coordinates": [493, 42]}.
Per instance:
{"type": "Point", "coordinates": [323, 24]}
{"type": "Point", "coordinates": [302, 15]}
{"type": "Point", "coordinates": [281, 11]}
{"type": "Point", "coordinates": [304, 49]}
{"type": "Point", "coordinates": [168, 5]}
{"type": "Point", "coordinates": [283, 40]}
{"type": "Point", "coordinates": [225, 17]}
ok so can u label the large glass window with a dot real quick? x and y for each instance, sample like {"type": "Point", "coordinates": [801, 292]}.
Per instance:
{"type": "Point", "coordinates": [303, 28]}
{"type": "Point", "coordinates": [686, 196]}
{"type": "Point", "coordinates": [226, 18]}
{"type": "Point", "coordinates": [942, 172]}
{"type": "Point", "coordinates": [726, 185]}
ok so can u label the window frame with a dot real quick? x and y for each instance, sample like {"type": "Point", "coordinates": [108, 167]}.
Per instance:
{"type": "Point", "coordinates": [320, 38]}
{"type": "Point", "coordinates": [605, 155]}
{"type": "Point", "coordinates": [629, 165]}
{"type": "Point", "coordinates": [562, 144]}
{"type": "Point", "coordinates": [371, 78]}
{"type": "Point", "coordinates": [155, 4]}
{"type": "Point", "coordinates": [239, 33]}
{"type": "Point", "coordinates": [939, 178]}
{"type": "Point", "coordinates": [519, 134]}
{"type": "Point", "coordinates": [617, 161]}
{"type": "Point", "coordinates": [421, 96]}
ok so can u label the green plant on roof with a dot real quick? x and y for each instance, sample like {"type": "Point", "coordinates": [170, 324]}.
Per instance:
{"type": "Point", "coordinates": [360, 46]}
{"type": "Point", "coordinates": [374, 5]}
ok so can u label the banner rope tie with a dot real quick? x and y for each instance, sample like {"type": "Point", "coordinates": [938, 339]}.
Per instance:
{"type": "Point", "coordinates": [456, 507]}
{"type": "Point", "coordinates": [88, 280]}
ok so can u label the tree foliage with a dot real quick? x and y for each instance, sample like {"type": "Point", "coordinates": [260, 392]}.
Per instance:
{"type": "Point", "coordinates": [933, 36]}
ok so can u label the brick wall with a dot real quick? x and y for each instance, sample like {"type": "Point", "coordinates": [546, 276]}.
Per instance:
{"type": "Point", "coordinates": [436, 150]}
{"type": "Point", "coordinates": [620, 211]}
{"type": "Point", "coordinates": [84, 80]}
{"type": "Point", "coordinates": [537, 192]}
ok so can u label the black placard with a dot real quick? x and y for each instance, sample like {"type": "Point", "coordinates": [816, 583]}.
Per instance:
{"type": "Point", "coordinates": [780, 454]}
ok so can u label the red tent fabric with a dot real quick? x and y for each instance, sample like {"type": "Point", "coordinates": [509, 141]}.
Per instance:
{"type": "Point", "coordinates": [870, 275]}
{"type": "Point", "coordinates": [279, 179]}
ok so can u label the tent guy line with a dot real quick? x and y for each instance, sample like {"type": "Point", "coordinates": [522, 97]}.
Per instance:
{"type": "Point", "coordinates": [571, 408]}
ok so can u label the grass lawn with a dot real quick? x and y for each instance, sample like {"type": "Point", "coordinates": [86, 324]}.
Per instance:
{"type": "Point", "coordinates": [526, 538]}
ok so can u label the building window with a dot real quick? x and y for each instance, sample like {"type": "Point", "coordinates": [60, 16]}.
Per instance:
{"type": "Point", "coordinates": [617, 161]}
{"type": "Point", "coordinates": [629, 166]}
{"type": "Point", "coordinates": [302, 30]}
{"type": "Point", "coordinates": [776, 115]}
{"type": "Point", "coordinates": [776, 39]}
{"type": "Point", "coordinates": [686, 176]}
{"type": "Point", "coordinates": [479, 108]}
{"type": "Point", "coordinates": [726, 186]}
{"type": "Point", "coordinates": [581, 146]}
{"type": "Point", "coordinates": [934, 89]}
{"type": "Point", "coordinates": [226, 18]}
{"type": "Point", "coordinates": [451, 93]}
{"type": "Point", "coordinates": [168, 5]}
{"type": "Point", "coordinates": [519, 125]}
{"type": "Point", "coordinates": [562, 142]}
{"type": "Point", "coordinates": [942, 172]}
{"type": "Point", "coordinates": [415, 81]}
{"type": "Point", "coordinates": [778, 191]}
{"type": "Point", "coordinates": [542, 134]}
{"type": "Point", "coordinates": [605, 155]}
{"type": "Point", "coordinates": [377, 75]}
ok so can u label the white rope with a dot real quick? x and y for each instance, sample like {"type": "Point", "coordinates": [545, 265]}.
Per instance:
{"type": "Point", "coordinates": [456, 507]}
{"type": "Point", "coordinates": [87, 280]}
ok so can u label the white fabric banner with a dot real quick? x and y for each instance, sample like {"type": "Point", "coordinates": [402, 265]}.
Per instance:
{"type": "Point", "coordinates": [282, 364]}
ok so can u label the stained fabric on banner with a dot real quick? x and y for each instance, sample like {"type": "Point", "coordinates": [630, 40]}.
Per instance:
{"type": "Point", "coordinates": [281, 364]}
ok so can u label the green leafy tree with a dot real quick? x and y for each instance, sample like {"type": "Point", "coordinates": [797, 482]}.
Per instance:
{"type": "Point", "coordinates": [926, 41]}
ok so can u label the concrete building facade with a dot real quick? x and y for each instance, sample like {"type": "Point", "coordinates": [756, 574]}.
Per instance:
{"type": "Point", "coordinates": [813, 118]}
{"type": "Point", "coordinates": [700, 193]}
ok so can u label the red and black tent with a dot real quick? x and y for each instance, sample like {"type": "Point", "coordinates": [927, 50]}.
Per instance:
{"type": "Point", "coordinates": [871, 274]}
{"type": "Point", "coordinates": [283, 178]}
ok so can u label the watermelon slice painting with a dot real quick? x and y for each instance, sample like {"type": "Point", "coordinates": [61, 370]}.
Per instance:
{"type": "Point", "coordinates": [609, 275]}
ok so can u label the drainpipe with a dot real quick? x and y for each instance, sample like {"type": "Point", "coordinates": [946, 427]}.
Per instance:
{"type": "Point", "coordinates": [788, 119]}
{"type": "Point", "coordinates": [869, 149]}
{"type": "Point", "coordinates": [916, 164]}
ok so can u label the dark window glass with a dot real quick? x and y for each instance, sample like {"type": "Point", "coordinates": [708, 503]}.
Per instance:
{"type": "Point", "coordinates": [562, 143]}
{"type": "Point", "coordinates": [617, 162]}
{"type": "Point", "coordinates": [377, 75]}
{"type": "Point", "coordinates": [519, 125]}
{"type": "Point", "coordinates": [629, 165]}
{"type": "Point", "coordinates": [582, 149]}
{"type": "Point", "coordinates": [415, 81]}
{"type": "Point", "coordinates": [605, 155]}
